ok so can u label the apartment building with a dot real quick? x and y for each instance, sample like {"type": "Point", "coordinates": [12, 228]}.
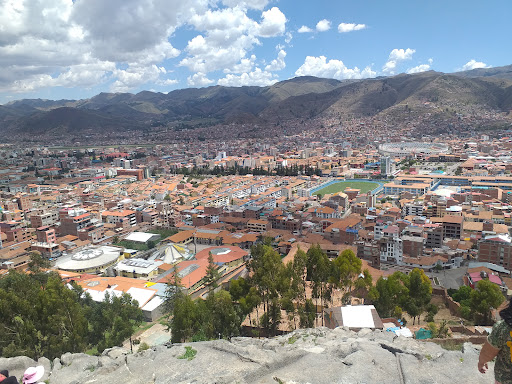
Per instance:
{"type": "Point", "coordinates": [116, 217]}
{"type": "Point", "coordinates": [44, 219]}
{"type": "Point", "coordinates": [496, 249]}
{"type": "Point", "coordinates": [46, 235]}
{"type": "Point", "coordinates": [259, 226]}
{"type": "Point", "coordinates": [72, 220]}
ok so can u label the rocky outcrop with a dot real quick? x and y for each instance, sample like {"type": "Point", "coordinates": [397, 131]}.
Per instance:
{"type": "Point", "coordinates": [305, 356]}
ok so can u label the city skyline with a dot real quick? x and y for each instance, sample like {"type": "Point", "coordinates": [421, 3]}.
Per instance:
{"type": "Point", "coordinates": [65, 49]}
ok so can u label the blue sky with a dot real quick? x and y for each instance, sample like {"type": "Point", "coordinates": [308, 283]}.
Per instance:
{"type": "Point", "coordinates": [75, 49]}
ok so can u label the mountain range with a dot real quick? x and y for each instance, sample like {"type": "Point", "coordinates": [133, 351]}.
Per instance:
{"type": "Point", "coordinates": [476, 91]}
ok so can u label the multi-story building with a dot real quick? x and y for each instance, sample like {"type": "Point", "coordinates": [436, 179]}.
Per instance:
{"type": "Point", "coordinates": [344, 231]}
{"type": "Point", "coordinates": [385, 165]}
{"type": "Point", "coordinates": [46, 235]}
{"type": "Point", "coordinates": [434, 237]}
{"type": "Point", "coordinates": [18, 235]}
{"type": "Point", "coordinates": [413, 245]}
{"type": "Point", "coordinates": [72, 220]}
{"type": "Point", "coordinates": [452, 226]}
{"type": "Point", "coordinates": [259, 226]}
{"type": "Point", "coordinates": [496, 249]}
{"type": "Point", "coordinates": [44, 219]}
{"type": "Point", "coordinates": [369, 251]}
{"type": "Point", "coordinates": [391, 249]}
{"type": "Point", "coordinates": [116, 217]}
{"type": "Point", "coordinates": [24, 202]}
{"type": "Point", "coordinates": [412, 209]}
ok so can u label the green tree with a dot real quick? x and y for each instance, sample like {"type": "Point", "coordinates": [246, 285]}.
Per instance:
{"type": "Point", "coordinates": [319, 270]}
{"type": "Point", "coordinates": [114, 320]}
{"type": "Point", "coordinates": [432, 310]}
{"type": "Point", "coordinates": [363, 283]}
{"type": "Point", "coordinates": [250, 302]}
{"type": "Point", "coordinates": [271, 281]}
{"type": "Point", "coordinates": [420, 292]}
{"type": "Point", "coordinates": [173, 292]}
{"type": "Point", "coordinates": [388, 293]}
{"type": "Point", "coordinates": [440, 331]}
{"type": "Point", "coordinates": [37, 262]}
{"type": "Point", "coordinates": [184, 322]}
{"type": "Point", "coordinates": [212, 274]}
{"type": "Point", "coordinates": [225, 319]}
{"type": "Point", "coordinates": [485, 297]}
{"type": "Point", "coordinates": [307, 314]}
{"type": "Point", "coordinates": [347, 266]}
{"type": "Point", "coordinates": [40, 318]}
{"type": "Point", "coordinates": [462, 294]}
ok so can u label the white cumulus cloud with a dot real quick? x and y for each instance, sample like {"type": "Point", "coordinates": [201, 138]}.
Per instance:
{"type": "Point", "coordinates": [229, 35]}
{"type": "Point", "coordinates": [401, 54]}
{"type": "Point", "coordinates": [272, 23]}
{"type": "Point", "coordinates": [304, 29]}
{"type": "Point", "coordinates": [277, 64]}
{"type": "Point", "coordinates": [323, 25]}
{"type": "Point", "coordinates": [256, 77]}
{"type": "Point", "coordinates": [396, 56]}
{"type": "Point", "coordinates": [252, 4]}
{"type": "Point", "coordinates": [419, 68]}
{"type": "Point", "coordinates": [349, 27]}
{"type": "Point", "coordinates": [473, 64]}
{"type": "Point", "coordinates": [245, 65]}
{"type": "Point", "coordinates": [198, 79]}
{"type": "Point", "coordinates": [333, 69]}
{"type": "Point", "coordinates": [134, 76]}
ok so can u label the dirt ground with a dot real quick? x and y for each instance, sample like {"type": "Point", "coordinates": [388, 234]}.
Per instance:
{"type": "Point", "coordinates": [442, 314]}
{"type": "Point", "coordinates": [156, 335]}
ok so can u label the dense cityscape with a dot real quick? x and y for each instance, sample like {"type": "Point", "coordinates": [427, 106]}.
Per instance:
{"type": "Point", "coordinates": [135, 219]}
{"type": "Point", "coordinates": [255, 191]}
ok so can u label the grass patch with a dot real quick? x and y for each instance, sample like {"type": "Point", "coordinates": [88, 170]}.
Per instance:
{"type": "Point", "coordinates": [164, 320]}
{"type": "Point", "coordinates": [450, 346]}
{"type": "Point", "coordinates": [163, 232]}
{"type": "Point", "coordinates": [292, 339]}
{"type": "Point", "coordinates": [132, 245]}
{"type": "Point", "coordinates": [190, 354]}
{"type": "Point", "coordinates": [145, 327]}
{"type": "Point", "coordinates": [364, 186]}
{"type": "Point", "coordinates": [93, 351]}
{"type": "Point", "coordinates": [428, 357]}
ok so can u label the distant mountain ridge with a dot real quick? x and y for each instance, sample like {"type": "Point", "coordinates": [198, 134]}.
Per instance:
{"type": "Point", "coordinates": [298, 98]}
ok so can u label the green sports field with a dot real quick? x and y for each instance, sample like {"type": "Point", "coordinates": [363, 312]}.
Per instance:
{"type": "Point", "coordinates": [340, 187]}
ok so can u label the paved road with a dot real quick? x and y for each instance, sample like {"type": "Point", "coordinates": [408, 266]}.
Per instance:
{"type": "Point", "coordinates": [451, 278]}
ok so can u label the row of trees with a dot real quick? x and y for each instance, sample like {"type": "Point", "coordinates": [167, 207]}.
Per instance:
{"type": "Point", "coordinates": [476, 304]}
{"type": "Point", "coordinates": [272, 288]}
{"type": "Point", "coordinates": [399, 292]}
{"type": "Point", "coordinates": [40, 316]}
{"type": "Point", "coordinates": [293, 170]}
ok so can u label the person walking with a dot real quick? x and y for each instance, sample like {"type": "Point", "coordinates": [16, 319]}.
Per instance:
{"type": "Point", "coordinates": [499, 346]}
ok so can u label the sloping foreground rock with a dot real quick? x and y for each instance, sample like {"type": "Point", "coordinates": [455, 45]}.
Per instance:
{"type": "Point", "coordinates": [305, 356]}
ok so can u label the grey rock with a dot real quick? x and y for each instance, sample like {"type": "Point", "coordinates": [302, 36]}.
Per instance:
{"type": "Point", "coordinates": [16, 365]}
{"type": "Point", "coordinates": [116, 352]}
{"type": "Point", "coordinates": [303, 356]}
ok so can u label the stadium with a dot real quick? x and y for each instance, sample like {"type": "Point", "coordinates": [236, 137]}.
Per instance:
{"type": "Point", "coordinates": [404, 149]}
